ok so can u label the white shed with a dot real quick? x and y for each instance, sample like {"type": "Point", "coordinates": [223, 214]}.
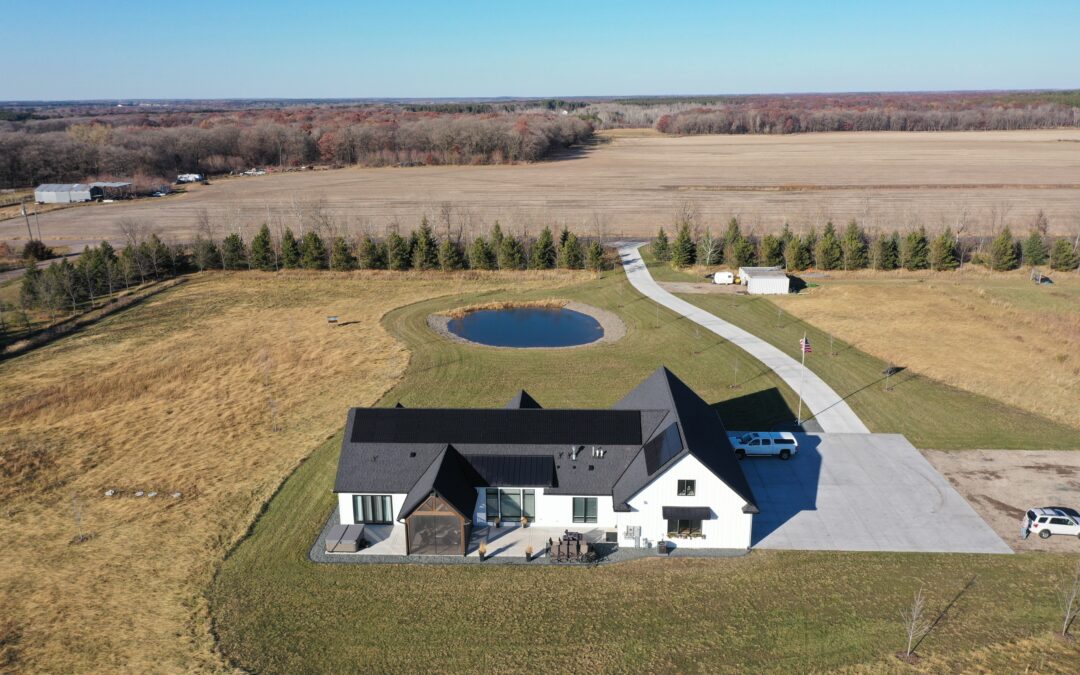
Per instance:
{"type": "Point", "coordinates": [61, 193]}
{"type": "Point", "coordinates": [765, 280]}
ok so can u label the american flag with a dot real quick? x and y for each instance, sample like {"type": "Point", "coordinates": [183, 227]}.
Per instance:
{"type": "Point", "coordinates": [804, 344]}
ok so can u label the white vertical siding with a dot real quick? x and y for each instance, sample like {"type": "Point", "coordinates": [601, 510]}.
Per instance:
{"type": "Point", "coordinates": [345, 505]}
{"type": "Point", "coordinates": [555, 510]}
{"type": "Point", "coordinates": [728, 528]}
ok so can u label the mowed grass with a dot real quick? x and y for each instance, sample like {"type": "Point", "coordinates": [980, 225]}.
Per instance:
{"type": "Point", "coordinates": [216, 390]}
{"type": "Point", "coordinates": [931, 413]}
{"type": "Point", "coordinates": [275, 611]}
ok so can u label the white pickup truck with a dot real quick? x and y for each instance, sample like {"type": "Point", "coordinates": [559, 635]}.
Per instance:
{"type": "Point", "coordinates": [780, 444]}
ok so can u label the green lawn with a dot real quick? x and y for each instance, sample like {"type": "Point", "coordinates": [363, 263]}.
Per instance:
{"type": "Point", "coordinates": [274, 611]}
{"type": "Point", "coordinates": [929, 413]}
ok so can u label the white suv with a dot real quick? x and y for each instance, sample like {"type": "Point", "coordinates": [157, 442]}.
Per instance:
{"type": "Point", "coordinates": [1052, 520]}
{"type": "Point", "coordinates": [765, 443]}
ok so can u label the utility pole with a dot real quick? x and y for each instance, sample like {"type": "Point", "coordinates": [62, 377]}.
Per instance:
{"type": "Point", "coordinates": [37, 221]}
{"type": "Point", "coordinates": [27, 219]}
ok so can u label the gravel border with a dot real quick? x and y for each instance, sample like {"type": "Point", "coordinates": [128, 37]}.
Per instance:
{"type": "Point", "coordinates": [317, 554]}
{"type": "Point", "coordinates": [614, 328]}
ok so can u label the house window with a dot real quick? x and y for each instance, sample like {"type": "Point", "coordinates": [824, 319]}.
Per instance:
{"type": "Point", "coordinates": [510, 505]}
{"type": "Point", "coordinates": [584, 509]}
{"type": "Point", "coordinates": [683, 528]}
{"type": "Point", "coordinates": [687, 487]}
{"type": "Point", "coordinates": [372, 508]}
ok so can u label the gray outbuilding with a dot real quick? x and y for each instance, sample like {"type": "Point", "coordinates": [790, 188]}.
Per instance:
{"type": "Point", "coordinates": [765, 280]}
{"type": "Point", "coordinates": [62, 193]}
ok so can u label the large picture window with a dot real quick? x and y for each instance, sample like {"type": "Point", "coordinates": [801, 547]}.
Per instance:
{"type": "Point", "coordinates": [584, 509]}
{"type": "Point", "coordinates": [373, 508]}
{"type": "Point", "coordinates": [687, 488]}
{"type": "Point", "coordinates": [510, 505]}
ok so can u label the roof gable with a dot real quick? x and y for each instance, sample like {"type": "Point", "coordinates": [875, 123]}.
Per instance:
{"type": "Point", "coordinates": [522, 400]}
{"type": "Point", "coordinates": [451, 477]}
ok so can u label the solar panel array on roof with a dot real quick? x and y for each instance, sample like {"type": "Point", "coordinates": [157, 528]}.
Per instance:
{"type": "Point", "coordinates": [485, 426]}
{"type": "Point", "coordinates": [662, 448]}
{"type": "Point", "coordinates": [514, 470]}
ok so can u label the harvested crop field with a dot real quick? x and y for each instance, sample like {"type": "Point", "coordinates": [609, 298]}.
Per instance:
{"type": "Point", "coordinates": [999, 335]}
{"type": "Point", "coordinates": [632, 184]}
{"type": "Point", "coordinates": [192, 407]}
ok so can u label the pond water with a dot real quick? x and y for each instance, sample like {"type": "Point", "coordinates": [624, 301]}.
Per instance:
{"type": "Point", "coordinates": [527, 327]}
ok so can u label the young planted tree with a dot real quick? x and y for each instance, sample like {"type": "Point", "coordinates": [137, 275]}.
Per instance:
{"type": "Point", "coordinates": [853, 247]}
{"type": "Point", "coordinates": [451, 257]}
{"type": "Point", "coordinates": [683, 250]}
{"type": "Point", "coordinates": [1034, 249]}
{"type": "Point", "coordinates": [1063, 256]}
{"type": "Point", "coordinates": [371, 256]}
{"type": "Point", "coordinates": [496, 237]}
{"type": "Point", "coordinates": [710, 251]}
{"type": "Point", "coordinates": [943, 251]}
{"type": "Point", "coordinates": [263, 256]}
{"type": "Point", "coordinates": [481, 257]}
{"type": "Point", "coordinates": [563, 236]}
{"type": "Point", "coordinates": [661, 248]}
{"type": "Point", "coordinates": [312, 251]}
{"type": "Point", "coordinates": [916, 624]}
{"type": "Point", "coordinates": [810, 243]}
{"type": "Point", "coordinates": [398, 252]}
{"type": "Point", "coordinates": [205, 254]}
{"type": "Point", "coordinates": [771, 251]}
{"type": "Point", "coordinates": [827, 254]}
{"type": "Point", "coordinates": [797, 255]}
{"type": "Point", "coordinates": [571, 255]}
{"type": "Point", "coordinates": [1069, 599]}
{"type": "Point", "coordinates": [290, 250]}
{"type": "Point", "coordinates": [234, 254]}
{"type": "Point", "coordinates": [543, 251]}
{"type": "Point", "coordinates": [915, 250]}
{"type": "Point", "coordinates": [594, 258]}
{"type": "Point", "coordinates": [30, 290]}
{"type": "Point", "coordinates": [511, 253]}
{"type": "Point", "coordinates": [1003, 252]}
{"type": "Point", "coordinates": [341, 255]}
{"type": "Point", "coordinates": [426, 250]}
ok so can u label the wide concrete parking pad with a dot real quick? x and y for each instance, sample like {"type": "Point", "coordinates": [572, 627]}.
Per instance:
{"type": "Point", "coordinates": [862, 492]}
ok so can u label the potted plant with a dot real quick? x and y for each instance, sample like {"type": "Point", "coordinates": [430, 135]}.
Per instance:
{"type": "Point", "coordinates": [498, 521]}
{"type": "Point", "coordinates": [524, 521]}
{"type": "Point", "coordinates": [528, 553]}
{"type": "Point", "coordinates": [663, 547]}
{"type": "Point", "coordinates": [482, 550]}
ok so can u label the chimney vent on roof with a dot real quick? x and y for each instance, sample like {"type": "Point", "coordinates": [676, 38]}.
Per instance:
{"type": "Point", "coordinates": [574, 450]}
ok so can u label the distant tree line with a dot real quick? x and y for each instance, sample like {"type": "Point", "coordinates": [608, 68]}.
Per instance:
{"type": "Point", "coordinates": [781, 121]}
{"type": "Point", "coordinates": [854, 248]}
{"type": "Point", "coordinates": [97, 150]}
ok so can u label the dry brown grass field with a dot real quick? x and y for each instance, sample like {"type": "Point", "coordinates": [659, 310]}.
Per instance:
{"type": "Point", "coordinates": [215, 390]}
{"type": "Point", "coordinates": [632, 184]}
{"type": "Point", "coordinates": [995, 334]}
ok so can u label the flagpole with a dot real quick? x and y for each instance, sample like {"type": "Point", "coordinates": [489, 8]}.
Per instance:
{"type": "Point", "coordinates": [802, 377]}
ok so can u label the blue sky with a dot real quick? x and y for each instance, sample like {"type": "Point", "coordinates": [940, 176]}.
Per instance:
{"type": "Point", "coordinates": [63, 49]}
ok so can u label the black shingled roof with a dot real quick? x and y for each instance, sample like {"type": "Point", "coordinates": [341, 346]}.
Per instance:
{"type": "Point", "coordinates": [455, 451]}
{"type": "Point", "coordinates": [509, 426]}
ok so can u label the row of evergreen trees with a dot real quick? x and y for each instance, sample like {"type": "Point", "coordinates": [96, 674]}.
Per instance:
{"type": "Point", "coordinates": [102, 271]}
{"type": "Point", "coordinates": [421, 250]}
{"type": "Point", "coordinates": [854, 249]}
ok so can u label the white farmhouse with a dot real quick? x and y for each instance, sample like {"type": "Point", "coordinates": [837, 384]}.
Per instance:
{"type": "Point", "coordinates": [657, 466]}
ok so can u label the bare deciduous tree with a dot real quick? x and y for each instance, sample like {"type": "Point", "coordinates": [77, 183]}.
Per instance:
{"type": "Point", "coordinates": [1069, 598]}
{"type": "Point", "coordinates": [916, 623]}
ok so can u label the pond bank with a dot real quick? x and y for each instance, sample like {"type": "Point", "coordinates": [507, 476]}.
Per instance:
{"type": "Point", "coordinates": [614, 328]}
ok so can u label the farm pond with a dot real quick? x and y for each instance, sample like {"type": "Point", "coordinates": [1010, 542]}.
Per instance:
{"type": "Point", "coordinates": [525, 327]}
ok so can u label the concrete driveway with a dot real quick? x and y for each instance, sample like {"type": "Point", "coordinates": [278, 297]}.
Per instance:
{"type": "Point", "coordinates": [826, 408]}
{"type": "Point", "coordinates": [862, 492]}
